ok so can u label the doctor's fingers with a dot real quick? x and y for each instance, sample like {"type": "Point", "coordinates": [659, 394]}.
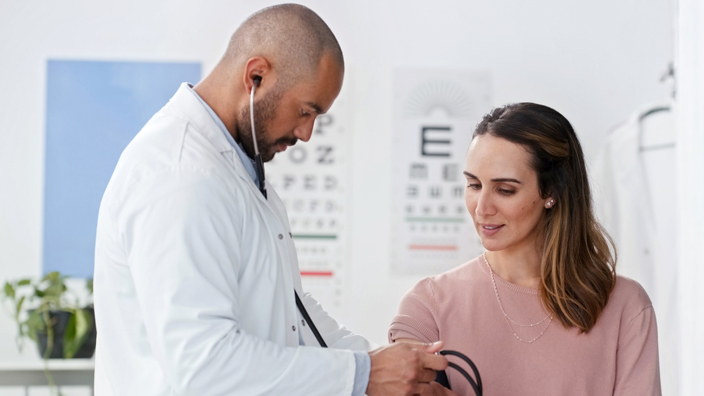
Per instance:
{"type": "Point", "coordinates": [434, 362]}
{"type": "Point", "coordinates": [425, 376]}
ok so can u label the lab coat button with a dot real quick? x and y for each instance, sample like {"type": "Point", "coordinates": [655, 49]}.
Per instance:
{"type": "Point", "coordinates": [281, 236]}
{"type": "Point", "coordinates": [293, 328]}
{"type": "Point", "coordinates": [303, 322]}
{"type": "Point", "coordinates": [290, 235]}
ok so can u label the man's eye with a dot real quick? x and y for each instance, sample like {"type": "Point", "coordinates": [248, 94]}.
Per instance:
{"type": "Point", "coordinates": [304, 113]}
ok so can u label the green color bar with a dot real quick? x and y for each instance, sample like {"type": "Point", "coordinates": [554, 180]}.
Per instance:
{"type": "Point", "coordinates": [310, 236]}
{"type": "Point", "coordinates": [435, 219]}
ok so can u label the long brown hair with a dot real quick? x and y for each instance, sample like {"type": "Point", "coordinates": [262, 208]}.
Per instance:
{"type": "Point", "coordinates": [578, 257]}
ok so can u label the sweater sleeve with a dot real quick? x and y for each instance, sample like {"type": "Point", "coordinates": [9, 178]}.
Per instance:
{"type": "Point", "coordinates": [637, 366]}
{"type": "Point", "coordinates": [416, 315]}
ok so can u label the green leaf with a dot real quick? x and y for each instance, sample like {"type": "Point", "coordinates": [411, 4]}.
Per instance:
{"type": "Point", "coordinates": [18, 308]}
{"type": "Point", "coordinates": [70, 344]}
{"type": "Point", "coordinates": [51, 277]}
{"type": "Point", "coordinates": [39, 293]}
{"type": "Point", "coordinates": [35, 324]}
{"type": "Point", "coordinates": [54, 291]}
{"type": "Point", "coordinates": [9, 290]}
{"type": "Point", "coordinates": [24, 282]}
{"type": "Point", "coordinates": [76, 332]}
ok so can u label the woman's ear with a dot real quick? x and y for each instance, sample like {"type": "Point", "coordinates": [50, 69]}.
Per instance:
{"type": "Point", "coordinates": [549, 203]}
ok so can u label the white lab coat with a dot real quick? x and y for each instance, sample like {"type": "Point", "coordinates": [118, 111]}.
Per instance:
{"type": "Point", "coordinates": [195, 272]}
{"type": "Point", "coordinates": [623, 201]}
{"type": "Point", "coordinates": [634, 200]}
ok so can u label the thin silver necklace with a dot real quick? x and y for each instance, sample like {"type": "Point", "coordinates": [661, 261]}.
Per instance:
{"type": "Point", "coordinates": [508, 318]}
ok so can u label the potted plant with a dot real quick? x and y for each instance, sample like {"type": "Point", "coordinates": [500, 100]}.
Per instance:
{"type": "Point", "coordinates": [57, 323]}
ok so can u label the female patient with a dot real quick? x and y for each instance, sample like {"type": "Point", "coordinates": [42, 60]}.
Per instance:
{"type": "Point", "coordinates": [541, 312]}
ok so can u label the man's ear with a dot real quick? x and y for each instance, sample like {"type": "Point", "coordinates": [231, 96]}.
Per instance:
{"type": "Point", "coordinates": [258, 68]}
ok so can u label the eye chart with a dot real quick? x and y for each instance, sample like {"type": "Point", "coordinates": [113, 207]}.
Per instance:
{"type": "Point", "coordinates": [435, 112]}
{"type": "Point", "coordinates": [310, 178]}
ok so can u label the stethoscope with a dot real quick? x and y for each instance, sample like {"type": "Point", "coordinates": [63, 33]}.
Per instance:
{"type": "Point", "coordinates": [441, 375]}
{"type": "Point", "coordinates": [258, 163]}
{"type": "Point", "coordinates": [259, 169]}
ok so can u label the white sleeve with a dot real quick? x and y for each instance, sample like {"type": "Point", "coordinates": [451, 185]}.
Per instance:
{"type": "Point", "coordinates": [180, 231]}
{"type": "Point", "coordinates": [335, 335]}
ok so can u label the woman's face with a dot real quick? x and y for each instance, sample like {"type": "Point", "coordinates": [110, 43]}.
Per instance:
{"type": "Point", "coordinates": [502, 194]}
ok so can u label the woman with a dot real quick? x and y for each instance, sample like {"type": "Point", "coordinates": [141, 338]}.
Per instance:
{"type": "Point", "coordinates": [541, 312]}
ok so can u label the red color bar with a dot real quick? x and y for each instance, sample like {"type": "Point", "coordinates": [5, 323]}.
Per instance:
{"type": "Point", "coordinates": [432, 247]}
{"type": "Point", "coordinates": [316, 273]}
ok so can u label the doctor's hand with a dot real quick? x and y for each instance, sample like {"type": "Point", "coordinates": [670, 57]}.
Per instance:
{"type": "Point", "coordinates": [403, 369]}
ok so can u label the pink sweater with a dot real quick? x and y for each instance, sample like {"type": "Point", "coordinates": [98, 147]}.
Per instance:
{"type": "Point", "coordinates": [619, 356]}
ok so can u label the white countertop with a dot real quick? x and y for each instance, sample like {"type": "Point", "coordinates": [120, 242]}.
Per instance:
{"type": "Point", "coordinates": [52, 364]}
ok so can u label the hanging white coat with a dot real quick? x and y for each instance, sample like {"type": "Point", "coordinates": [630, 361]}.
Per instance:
{"type": "Point", "coordinates": [625, 206]}
{"type": "Point", "coordinates": [195, 273]}
{"type": "Point", "coordinates": [623, 203]}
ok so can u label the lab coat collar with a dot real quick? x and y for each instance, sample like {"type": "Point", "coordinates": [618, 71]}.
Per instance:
{"type": "Point", "coordinates": [198, 116]}
{"type": "Point", "coordinates": [246, 161]}
{"type": "Point", "coordinates": [190, 108]}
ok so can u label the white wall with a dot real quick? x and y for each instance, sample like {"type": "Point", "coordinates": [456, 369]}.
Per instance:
{"type": "Point", "coordinates": [593, 61]}
{"type": "Point", "coordinates": [690, 193]}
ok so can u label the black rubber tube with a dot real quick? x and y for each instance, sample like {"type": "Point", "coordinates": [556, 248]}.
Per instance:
{"type": "Point", "coordinates": [308, 320]}
{"type": "Point", "coordinates": [477, 386]}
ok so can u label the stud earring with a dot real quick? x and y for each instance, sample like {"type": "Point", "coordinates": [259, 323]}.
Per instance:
{"type": "Point", "coordinates": [549, 203]}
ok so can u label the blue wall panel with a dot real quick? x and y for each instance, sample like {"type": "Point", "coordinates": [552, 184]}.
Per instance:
{"type": "Point", "coordinates": [94, 109]}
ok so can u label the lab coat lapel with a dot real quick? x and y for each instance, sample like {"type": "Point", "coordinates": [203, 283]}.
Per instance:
{"type": "Point", "coordinates": [198, 117]}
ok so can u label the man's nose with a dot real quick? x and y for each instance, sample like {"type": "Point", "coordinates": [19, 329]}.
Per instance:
{"type": "Point", "coordinates": [305, 131]}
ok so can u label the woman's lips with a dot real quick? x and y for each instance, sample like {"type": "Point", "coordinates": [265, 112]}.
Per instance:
{"type": "Point", "coordinates": [491, 229]}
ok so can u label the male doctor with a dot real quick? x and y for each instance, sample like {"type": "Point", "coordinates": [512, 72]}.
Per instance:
{"type": "Point", "coordinates": [195, 269]}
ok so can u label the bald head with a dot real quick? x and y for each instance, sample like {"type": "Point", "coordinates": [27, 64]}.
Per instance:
{"type": "Point", "coordinates": [290, 36]}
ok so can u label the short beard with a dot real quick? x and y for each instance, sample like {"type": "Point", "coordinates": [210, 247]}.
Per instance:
{"type": "Point", "coordinates": [265, 110]}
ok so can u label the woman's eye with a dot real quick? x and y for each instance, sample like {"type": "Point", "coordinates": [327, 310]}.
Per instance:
{"type": "Point", "coordinates": [506, 192]}
{"type": "Point", "coordinates": [475, 186]}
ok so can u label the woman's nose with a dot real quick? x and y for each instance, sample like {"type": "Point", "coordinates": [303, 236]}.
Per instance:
{"type": "Point", "coordinates": [485, 206]}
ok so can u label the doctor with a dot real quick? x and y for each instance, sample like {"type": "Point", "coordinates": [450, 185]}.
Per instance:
{"type": "Point", "coordinates": [195, 269]}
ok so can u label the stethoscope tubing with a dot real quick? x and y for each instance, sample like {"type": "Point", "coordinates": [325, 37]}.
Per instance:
{"type": "Point", "coordinates": [258, 163]}
{"type": "Point", "coordinates": [477, 386]}
{"type": "Point", "coordinates": [308, 320]}
{"type": "Point", "coordinates": [262, 187]}
{"type": "Point", "coordinates": [251, 117]}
